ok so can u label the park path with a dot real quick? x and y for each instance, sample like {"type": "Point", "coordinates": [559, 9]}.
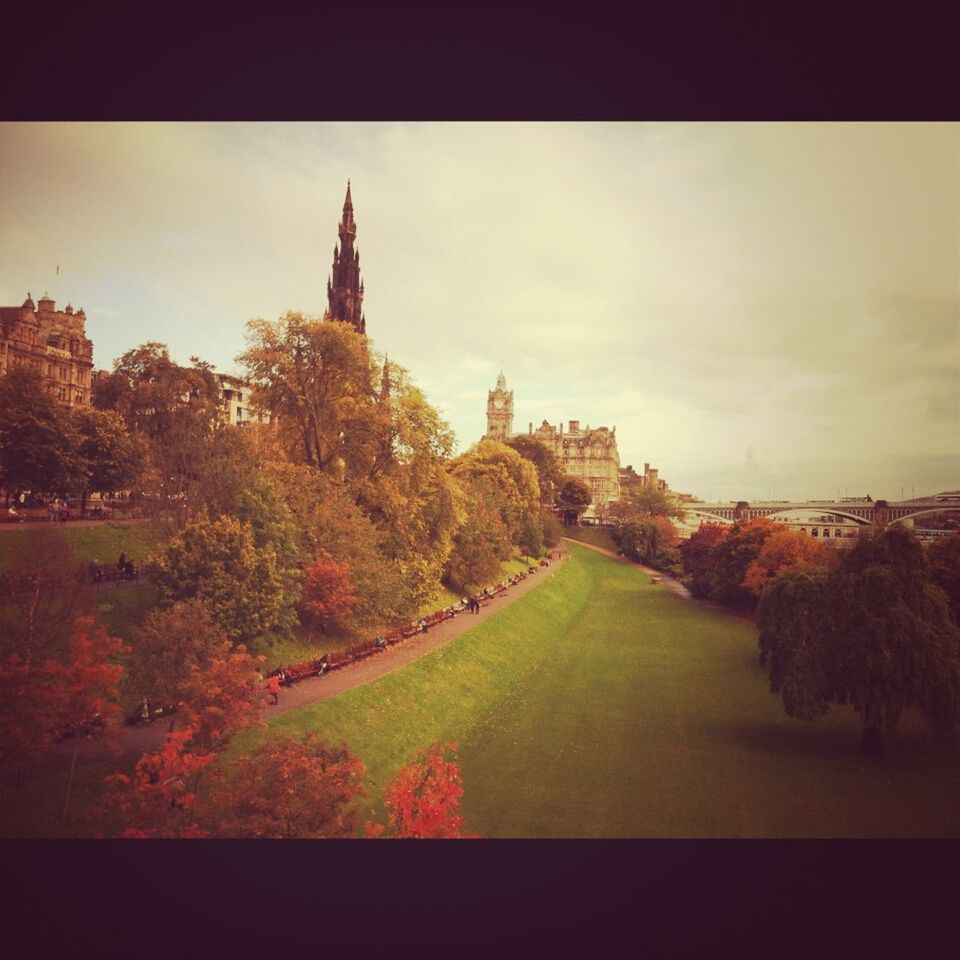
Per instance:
{"type": "Point", "coordinates": [137, 740]}
{"type": "Point", "coordinates": [43, 524]}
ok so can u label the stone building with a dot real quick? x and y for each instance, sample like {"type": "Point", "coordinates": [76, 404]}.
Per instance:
{"type": "Point", "coordinates": [237, 407]}
{"type": "Point", "coordinates": [649, 478]}
{"type": "Point", "coordinates": [344, 286]}
{"type": "Point", "coordinates": [52, 342]}
{"type": "Point", "coordinates": [590, 454]}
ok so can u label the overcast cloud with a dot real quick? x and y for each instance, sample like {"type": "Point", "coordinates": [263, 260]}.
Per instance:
{"type": "Point", "coordinates": [760, 309]}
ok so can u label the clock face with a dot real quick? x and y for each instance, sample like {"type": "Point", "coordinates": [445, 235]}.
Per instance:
{"type": "Point", "coordinates": [498, 403]}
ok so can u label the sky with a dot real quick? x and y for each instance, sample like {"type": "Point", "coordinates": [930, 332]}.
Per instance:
{"type": "Point", "coordinates": [762, 310]}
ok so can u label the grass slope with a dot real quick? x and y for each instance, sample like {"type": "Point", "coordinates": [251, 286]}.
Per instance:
{"type": "Point", "coordinates": [103, 542]}
{"type": "Point", "coordinates": [601, 706]}
{"type": "Point", "coordinates": [596, 536]}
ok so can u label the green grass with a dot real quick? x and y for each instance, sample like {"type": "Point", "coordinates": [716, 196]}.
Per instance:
{"type": "Point", "coordinates": [103, 543]}
{"type": "Point", "coordinates": [122, 611]}
{"type": "Point", "coordinates": [599, 705]}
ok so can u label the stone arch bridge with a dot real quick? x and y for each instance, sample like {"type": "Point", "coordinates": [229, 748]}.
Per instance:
{"type": "Point", "coordinates": [864, 511]}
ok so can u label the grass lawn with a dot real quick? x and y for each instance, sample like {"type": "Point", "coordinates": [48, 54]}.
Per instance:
{"type": "Point", "coordinates": [599, 705]}
{"type": "Point", "coordinates": [103, 543]}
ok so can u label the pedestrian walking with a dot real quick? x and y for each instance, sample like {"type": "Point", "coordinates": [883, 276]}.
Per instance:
{"type": "Point", "coordinates": [121, 561]}
{"type": "Point", "coordinates": [273, 688]}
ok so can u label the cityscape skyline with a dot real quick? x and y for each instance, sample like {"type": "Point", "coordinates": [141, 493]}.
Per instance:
{"type": "Point", "coordinates": [761, 310]}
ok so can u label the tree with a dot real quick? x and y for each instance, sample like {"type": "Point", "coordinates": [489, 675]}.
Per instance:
{"type": "Point", "coordinates": [160, 799]}
{"type": "Point", "coordinates": [876, 635]}
{"type": "Point", "coordinates": [217, 561]}
{"type": "Point", "coordinates": [641, 502]}
{"type": "Point", "coordinates": [640, 540]}
{"type": "Point", "coordinates": [731, 557]}
{"type": "Point", "coordinates": [552, 531]}
{"type": "Point", "coordinates": [222, 696]}
{"type": "Point", "coordinates": [697, 556]}
{"type": "Point", "coordinates": [574, 498]}
{"type": "Point", "coordinates": [50, 591]}
{"type": "Point", "coordinates": [944, 557]}
{"type": "Point", "coordinates": [316, 377]}
{"type": "Point", "coordinates": [169, 644]}
{"type": "Point", "coordinates": [42, 701]}
{"type": "Point", "coordinates": [328, 594]}
{"type": "Point", "coordinates": [784, 550]}
{"type": "Point", "coordinates": [110, 458]}
{"type": "Point", "coordinates": [424, 797]}
{"type": "Point", "coordinates": [287, 788]}
{"type": "Point", "coordinates": [550, 476]}
{"type": "Point", "coordinates": [175, 409]}
{"type": "Point", "coordinates": [38, 444]}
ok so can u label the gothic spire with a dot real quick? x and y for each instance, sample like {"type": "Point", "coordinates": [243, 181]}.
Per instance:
{"type": "Point", "coordinates": [345, 290]}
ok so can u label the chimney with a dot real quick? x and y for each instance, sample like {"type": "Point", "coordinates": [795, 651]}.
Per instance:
{"type": "Point", "coordinates": [531, 427]}
{"type": "Point", "coordinates": [646, 468]}
{"type": "Point", "coordinates": [574, 426]}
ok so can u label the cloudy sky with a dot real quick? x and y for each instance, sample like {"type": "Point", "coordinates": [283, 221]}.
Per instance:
{"type": "Point", "coordinates": [760, 309]}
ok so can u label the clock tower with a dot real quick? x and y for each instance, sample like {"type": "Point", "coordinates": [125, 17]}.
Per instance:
{"type": "Point", "coordinates": [500, 411]}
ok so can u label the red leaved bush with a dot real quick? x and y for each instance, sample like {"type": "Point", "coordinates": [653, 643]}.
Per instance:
{"type": "Point", "coordinates": [222, 696]}
{"type": "Point", "coordinates": [424, 797]}
{"type": "Point", "coordinates": [329, 596]}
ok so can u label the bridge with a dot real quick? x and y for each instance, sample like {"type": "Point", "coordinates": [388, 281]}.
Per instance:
{"type": "Point", "coordinates": [861, 510]}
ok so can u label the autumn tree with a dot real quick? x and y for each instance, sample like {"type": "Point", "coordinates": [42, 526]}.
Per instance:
{"type": "Point", "coordinates": [697, 556]}
{"type": "Point", "coordinates": [785, 550]}
{"type": "Point", "coordinates": [222, 696]}
{"type": "Point", "coordinates": [424, 798]}
{"type": "Point", "coordinates": [876, 635]}
{"type": "Point", "coordinates": [330, 523]}
{"type": "Point", "coordinates": [552, 531]}
{"type": "Point", "coordinates": [160, 799]}
{"type": "Point", "coordinates": [328, 594]}
{"type": "Point", "coordinates": [41, 701]}
{"type": "Point", "coordinates": [731, 557]}
{"type": "Point", "coordinates": [317, 378]}
{"type": "Point", "coordinates": [218, 562]}
{"type": "Point", "coordinates": [287, 788]}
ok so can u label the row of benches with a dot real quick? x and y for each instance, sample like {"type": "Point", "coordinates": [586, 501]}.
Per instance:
{"type": "Point", "coordinates": [333, 661]}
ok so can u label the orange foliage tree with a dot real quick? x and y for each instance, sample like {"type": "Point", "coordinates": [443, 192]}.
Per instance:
{"type": "Point", "coordinates": [424, 797]}
{"type": "Point", "coordinates": [288, 787]}
{"type": "Point", "coordinates": [328, 596]}
{"type": "Point", "coordinates": [787, 550]}
{"type": "Point", "coordinates": [40, 704]}
{"type": "Point", "coordinates": [697, 553]}
{"type": "Point", "coordinates": [160, 799]}
{"type": "Point", "coordinates": [222, 695]}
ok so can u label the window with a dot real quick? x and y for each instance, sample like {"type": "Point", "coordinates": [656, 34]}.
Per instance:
{"type": "Point", "coordinates": [79, 396]}
{"type": "Point", "coordinates": [239, 413]}
{"type": "Point", "coordinates": [826, 531]}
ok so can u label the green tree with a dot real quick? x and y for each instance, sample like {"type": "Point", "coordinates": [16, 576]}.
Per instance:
{"type": "Point", "coordinates": [38, 444]}
{"type": "Point", "coordinates": [944, 557]}
{"type": "Point", "coordinates": [550, 476]}
{"type": "Point", "coordinates": [876, 635]}
{"type": "Point", "coordinates": [641, 540]}
{"type": "Point", "coordinates": [574, 498]}
{"type": "Point", "coordinates": [110, 458]}
{"type": "Point", "coordinates": [650, 501]}
{"type": "Point", "coordinates": [171, 642]}
{"type": "Point", "coordinates": [217, 561]}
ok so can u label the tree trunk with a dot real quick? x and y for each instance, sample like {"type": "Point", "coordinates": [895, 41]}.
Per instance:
{"type": "Point", "coordinates": [871, 742]}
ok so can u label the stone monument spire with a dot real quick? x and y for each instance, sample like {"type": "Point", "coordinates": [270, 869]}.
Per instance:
{"type": "Point", "coordinates": [344, 288]}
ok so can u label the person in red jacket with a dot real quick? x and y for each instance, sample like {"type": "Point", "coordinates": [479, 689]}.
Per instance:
{"type": "Point", "coordinates": [273, 688]}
